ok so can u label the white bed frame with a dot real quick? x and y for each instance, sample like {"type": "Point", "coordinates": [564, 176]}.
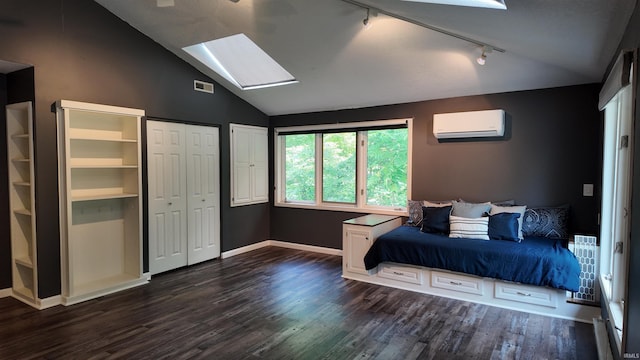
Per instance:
{"type": "Point", "coordinates": [359, 235]}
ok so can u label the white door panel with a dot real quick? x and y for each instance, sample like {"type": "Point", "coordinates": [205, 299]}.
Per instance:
{"type": "Point", "coordinates": [167, 196]}
{"type": "Point", "coordinates": [204, 188]}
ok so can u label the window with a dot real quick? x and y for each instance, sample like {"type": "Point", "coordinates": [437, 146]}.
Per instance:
{"type": "Point", "coordinates": [616, 201]}
{"type": "Point", "coordinates": [241, 62]}
{"type": "Point", "coordinates": [361, 167]}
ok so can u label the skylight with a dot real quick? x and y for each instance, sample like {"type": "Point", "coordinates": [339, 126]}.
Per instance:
{"type": "Point", "coordinates": [492, 4]}
{"type": "Point", "coordinates": [241, 61]}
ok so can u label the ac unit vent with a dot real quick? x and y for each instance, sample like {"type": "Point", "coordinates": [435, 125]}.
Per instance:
{"type": "Point", "coordinates": [203, 86]}
{"type": "Point", "coordinates": [470, 124]}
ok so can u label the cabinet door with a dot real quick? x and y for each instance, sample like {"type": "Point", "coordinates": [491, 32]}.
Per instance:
{"type": "Point", "coordinates": [167, 196]}
{"type": "Point", "coordinates": [259, 168]}
{"type": "Point", "coordinates": [249, 165]}
{"type": "Point", "coordinates": [241, 165]}
{"type": "Point", "coordinates": [203, 188]}
{"type": "Point", "coordinates": [358, 241]}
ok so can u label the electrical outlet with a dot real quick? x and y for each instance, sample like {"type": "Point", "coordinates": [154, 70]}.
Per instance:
{"type": "Point", "coordinates": [587, 189]}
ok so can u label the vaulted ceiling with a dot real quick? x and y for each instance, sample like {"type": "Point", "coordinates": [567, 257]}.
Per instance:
{"type": "Point", "coordinates": [341, 64]}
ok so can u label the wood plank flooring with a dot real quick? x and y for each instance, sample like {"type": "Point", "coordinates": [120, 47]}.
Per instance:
{"type": "Point", "coordinates": [276, 303]}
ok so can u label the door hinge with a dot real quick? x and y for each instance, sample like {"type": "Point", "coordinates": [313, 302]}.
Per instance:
{"type": "Point", "coordinates": [624, 141]}
{"type": "Point", "coordinates": [619, 247]}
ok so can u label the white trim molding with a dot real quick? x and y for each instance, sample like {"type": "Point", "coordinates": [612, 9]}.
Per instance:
{"type": "Point", "coordinates": [284, 244]}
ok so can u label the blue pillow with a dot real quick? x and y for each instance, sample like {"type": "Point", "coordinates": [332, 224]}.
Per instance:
{"type": "Point", "coordinates": [435, 219]}
{"type": "Point", "coordinates": [504, 226]}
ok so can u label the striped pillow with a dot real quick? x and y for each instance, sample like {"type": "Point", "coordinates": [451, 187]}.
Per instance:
{"type": "Point", "coordinates": [472, 228]}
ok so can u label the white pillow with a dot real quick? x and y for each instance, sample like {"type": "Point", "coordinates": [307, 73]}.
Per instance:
{"type": "Point", "coordinates": [471, 228]}
{"type": "Point", "coordinates": [511, 209]}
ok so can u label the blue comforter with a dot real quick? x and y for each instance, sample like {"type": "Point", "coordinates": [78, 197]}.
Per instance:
{"type": "Point", "coordinates": [535, 260]}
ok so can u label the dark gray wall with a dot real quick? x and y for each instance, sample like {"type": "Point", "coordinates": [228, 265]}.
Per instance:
{"type": "Point", "coordinates": [551, 148]}
{"type": "Point", "coordinates": [82, 52]}
{"type": "Point", "coordinates": [631, 340]}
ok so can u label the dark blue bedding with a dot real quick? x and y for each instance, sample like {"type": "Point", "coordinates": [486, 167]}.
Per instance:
{"type": "Point", "coordinates": [535, 260]}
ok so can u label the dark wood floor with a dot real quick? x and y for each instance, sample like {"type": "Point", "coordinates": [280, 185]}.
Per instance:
{"type": "Point", "coordinates": [277, 303]}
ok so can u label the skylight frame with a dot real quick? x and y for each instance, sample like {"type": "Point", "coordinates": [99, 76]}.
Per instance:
{"type": "Point", "coordinates": [491, 4]}
{"type": "Point", "coordinates": [241, 62]}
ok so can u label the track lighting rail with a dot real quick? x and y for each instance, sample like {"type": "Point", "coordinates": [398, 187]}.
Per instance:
{"type": "Point", "coordinates": [424, 25]}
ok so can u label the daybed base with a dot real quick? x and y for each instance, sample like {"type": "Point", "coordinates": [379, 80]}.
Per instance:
{"type": "Point", "coordinates": [528, 298]}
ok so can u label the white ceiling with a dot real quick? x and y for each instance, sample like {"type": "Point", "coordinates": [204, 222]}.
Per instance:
{"type": "Point", "coordinates": [340, 64]}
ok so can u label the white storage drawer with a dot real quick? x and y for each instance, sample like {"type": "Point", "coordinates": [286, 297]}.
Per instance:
{"type": "Point", "coordinates": [400, 273]}
{"type": "Point", "coordinates": [449, 281]}
{"type": "Point", "coordinates": [526, 294]}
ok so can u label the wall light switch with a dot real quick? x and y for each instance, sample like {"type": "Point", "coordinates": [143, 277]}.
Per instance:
{"type": "Point", "coordinates": [587, 189]}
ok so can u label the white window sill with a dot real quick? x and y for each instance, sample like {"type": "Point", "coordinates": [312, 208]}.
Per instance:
{"type": "Point", "coordinates": [345, 208]}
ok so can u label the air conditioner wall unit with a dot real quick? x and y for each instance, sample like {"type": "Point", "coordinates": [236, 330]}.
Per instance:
{"type": "Point", "coordinates": [470, 124]}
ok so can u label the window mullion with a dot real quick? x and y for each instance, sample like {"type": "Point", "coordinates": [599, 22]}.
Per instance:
{"type": "Point", "coordinates": [319, 161]}
{"type": "Point", "coordinates": [361, 166]}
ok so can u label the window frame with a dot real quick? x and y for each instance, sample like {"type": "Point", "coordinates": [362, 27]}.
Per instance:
{"type": "Point", "coordinates": [360, 205]}
{"type": "Point", "coordinates": [615, 224]}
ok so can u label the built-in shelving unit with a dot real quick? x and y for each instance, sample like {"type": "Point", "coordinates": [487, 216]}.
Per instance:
{"type": "Point", "coordinates": [101, 200]}
{"type": "Point", "coordinates": [21, 203]}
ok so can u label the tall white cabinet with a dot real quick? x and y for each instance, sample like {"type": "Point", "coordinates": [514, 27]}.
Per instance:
{"type": "Point", "coordinates": [183, 164]}
{"type": "Point", "coordinates": [22, 203]}
{"type": "Point", "coordinates": [100, 199]}
{"type": "Point", "coordinates": [249, 164]}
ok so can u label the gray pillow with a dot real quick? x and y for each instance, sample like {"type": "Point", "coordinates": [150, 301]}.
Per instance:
{"type": "Point", "coordinates": [470, 210]}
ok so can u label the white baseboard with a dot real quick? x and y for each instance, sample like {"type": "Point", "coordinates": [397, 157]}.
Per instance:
{"type": "Point", "coordinates": [311, 248]}
{"type": "Point", "coordinates": [5, 293]}
{"type": "Point", "coordinates": [244, 249]}
{"type": "Point", "coordinates": [602, 340]}
{"type": "Point", "coordinates": [284, 244]}
{"type": "Point", "coordinates": [49, 302]}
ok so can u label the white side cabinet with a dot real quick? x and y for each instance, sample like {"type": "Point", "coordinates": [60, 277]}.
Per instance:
{"type": "Point", "coordinates": [249, 165]}
{"type": "Point", "coordinates": [22, 203]}
{"type": "Point", "coordinates": [358, 236]}
{"type": "Point", "coordinates": [100, 199]}
{"type": "Point", "coordinates": [183, 164]}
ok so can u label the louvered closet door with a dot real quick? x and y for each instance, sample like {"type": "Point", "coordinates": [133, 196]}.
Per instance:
{"type": "Point", "coordinates": [166, 162]}
{"type": "Point", "coordinates": [203, 187]}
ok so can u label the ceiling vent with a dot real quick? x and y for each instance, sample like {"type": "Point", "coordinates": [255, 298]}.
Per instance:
{"type": "Point", "coordinates": [203, 86]}
{"type": "Point", "coordinates": [470, 124]}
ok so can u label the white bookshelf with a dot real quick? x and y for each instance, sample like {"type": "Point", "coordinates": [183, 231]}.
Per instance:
{"type": "Point", "coordinates": [100, 199]}
{"type": "Point", "coordinates": [22, 202]}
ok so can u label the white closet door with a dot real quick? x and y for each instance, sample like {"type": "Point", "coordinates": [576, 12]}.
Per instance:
{"type": "Point", "coordinates": [167, 196]}
{"type": "Point", "coordinates": [203, 187]}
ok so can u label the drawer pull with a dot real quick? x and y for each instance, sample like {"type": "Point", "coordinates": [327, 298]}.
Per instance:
{"type": "Point", "coordinates": [398, 273]}
{"type": "Point", "coordinates": [523, 293]}
{"type": "Point", "coordinates": [457, 283]}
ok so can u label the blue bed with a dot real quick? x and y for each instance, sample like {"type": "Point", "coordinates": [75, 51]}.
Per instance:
{"type": "Point", "coordinates": [536, 260]}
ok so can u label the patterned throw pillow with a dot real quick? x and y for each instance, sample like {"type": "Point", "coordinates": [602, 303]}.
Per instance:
{"type": "Point", "coordinates": [472, 228]}
{"type": "Point", "coordinates": [415, 212]}
{"type": "Point", "coordinates": [551, 222]}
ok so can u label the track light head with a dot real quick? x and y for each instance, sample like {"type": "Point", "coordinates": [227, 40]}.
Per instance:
{"type": "Point", "coordinates": [482, 59]}
{"type": "Point", "coordinates": [365, 22]}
